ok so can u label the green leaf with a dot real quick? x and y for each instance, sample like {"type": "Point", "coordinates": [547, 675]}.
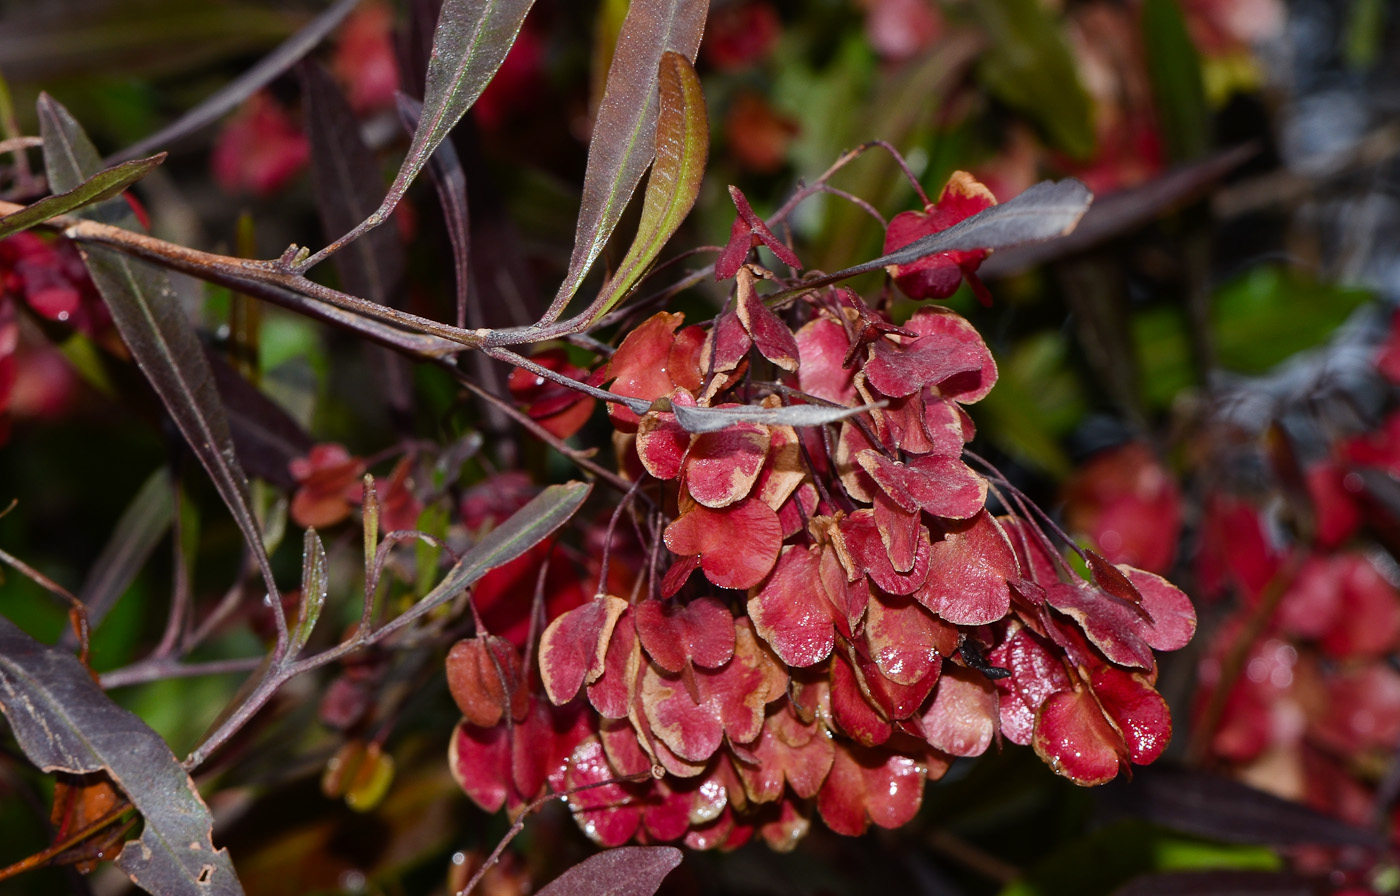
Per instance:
{"type": "Point", "coordinates": [1271, 314]}
{"type": "Point", "coordinates": [64, 722]}
{"type": "Point", "coordinates": [1029, 67]}
{"type": "Point", "coordinates": [682, 147]}
{"type": "Point", "coordinates": [315, 583]}
{"type": "Point", "coordinates": [546, 512]}
{"type": "Point", "coordinates": [1258, 321]}
{"type": "Point", "coordinates": [103, 185]}
{"type": "Point", "coordinates": [1174, 67]}
{"type": "Point", "coordinates": [624, 134]}
{"type": "Point", "coordinates": [149, 318]}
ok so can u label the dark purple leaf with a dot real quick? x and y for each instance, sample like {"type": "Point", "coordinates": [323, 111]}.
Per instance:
{"type": "Point", "coordinates": [1222, 809]}
{"type": "Point", "coordinates": [625, 871]}
{"type": "Point", "coordinates": [1118, 213]}
{"type": "Point", "coordinates": [103, 185]}
{"type": "Point", "coordinates": [624, 133]}
{"type": "Point", "coordinates": [65, 723]}
{"type": "Point", "coordinates": [149, 318]}
{"type": "Point", "coordinates": [265, 436]}
{"type": "Point", "coordinates": [346, 180]}
{"type": "Point", "coordinates": [1225, 883]}
{"type": "Point", "coordinates": [450, 182]}
{"type": "Point", "coordinates": [1047, 210]}
{"type": "Point", "coordinates": [470, 42]}
{"type": "Point", "coordinates": [245, 85]}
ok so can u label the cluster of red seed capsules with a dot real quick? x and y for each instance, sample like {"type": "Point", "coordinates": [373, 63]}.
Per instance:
{"type": "Point", "coordinates": [833, 615]}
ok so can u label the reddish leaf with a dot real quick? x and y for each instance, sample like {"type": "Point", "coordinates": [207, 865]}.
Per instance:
{"type": "Point", "coordinates": [722, 466]}
{"type": "Point", "coordinates": [662, 443]}
{"type": "Point", "coordinates": [965, 388]}
{"type": "Point", "coordinates": [743, 688]}
{"type": "Point", "coordinates": [692, 729]}
{"type": "Point", "coordinates": [737, 545]}
{"type": "Point", "coordinates": [731, 343]}
{"type": "Point", "coordinates": [795, 618]}
{"type": "Point", "coordinates": [943, 486]}
{"type": "Point", "coordinates": [870, 785]}
{"type": "Point", "coordinates": [904, 640]}
{"type": "Point", "coordinates": [639, 368]}
{"type": "Point", "coordinates": [898, 370]}
{"type": "Point", "coordinates": [901, 532]}
{"type": "Point", "coordinates": [895, 701]}
{"type": "Point", "coordinates": [699, 632]}
{"type": "Point", "coordinates": [862, 537]}
{"type": "Point", "coordinates": [772, 337]}
{"type": "Point", "coordinates": [1035, 675]}
{"type": "Point", "coordinates": [484, 676]}
{"type": "Point", "coordinates": [609, 813]}
{"type": "Point", "coordinates": [759, 234]}
{"type": "Point", "coordinates": [1076, 741]}
{"type": "Point", "coordinates": [962, 718]}
{"type": "Point", "coordinates": [479, 759]}
{"type": "Point", "coordinates": [1113, 626]}
{"type": "Point", "coordinates": [328, 479]}
{"type": "Point", "coordinates": [1136, 710]}
{"type": "Point", "coordinates": [1173, 616]}
{"type": "Point", "coordinates": [574, 646]}
{"type": "Point", "coordinates": [822, 345]}
{"type": "Point", "coordinates": [612, 694]}
{"type": "Point", "coordinates": [970, 566]}
{"type": "Point", "coordinates": [787, 750]}
{"type": "Point", "coordinates": [938, 275]}
{"type": "Point", "coordinates": [783, 832]}
{"type": "Point", "coordinates": [851, 709]}
{"type": "Point", "coordinates": [783, 471]}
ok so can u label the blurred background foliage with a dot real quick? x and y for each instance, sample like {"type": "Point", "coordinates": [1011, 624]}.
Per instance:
{"type": "Point", "coordinates": [1225, 304]}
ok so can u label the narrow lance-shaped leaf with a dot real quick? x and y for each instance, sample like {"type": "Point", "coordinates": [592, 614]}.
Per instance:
{"type": "Point", "coordinates": [450, 181]}
{"type": "Point", "coordinates": [624, 132]}
{"type": "Point", "coordinates": [245, 85]}
{"type": "Point", "coordinates": [470, 42]}
{"type": "Point", "coordinates": [682, 147]}
{"type": "Point", "coordinates": [315, 583]}
{"type": "Point", "coordinates": [1044, 211]}
{"type": "Point", "coordinates": [151, 322]}
{"type": "Point", "coordinates": [546, 512]}
{"type": "Point", "coordinates": [346, 180]}
{"type": "Point", "coordinates": [141, 527]}
{"type": "Point", "coordinates": [65, 723]}
{"type": "Point", "coordinates": [712, 419]}
{"type": "Point", "coordinates": [625, 871]}
{"type": "Point", "coordinates": [103, 185]}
